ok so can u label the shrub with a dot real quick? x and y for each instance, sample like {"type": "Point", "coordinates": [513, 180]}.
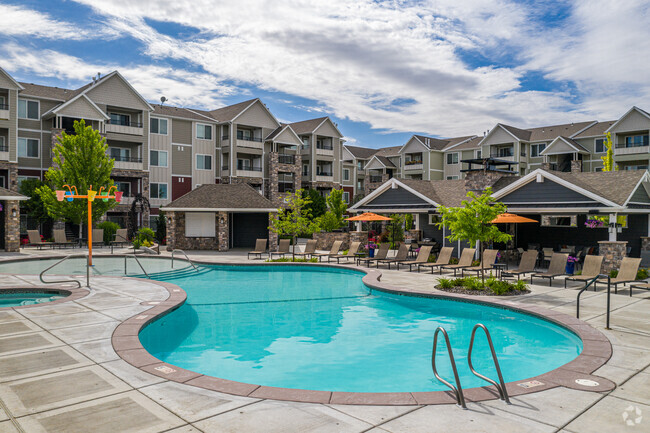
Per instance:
{"type": "Point", "coordinates": [642, 274]}
{"type": "Point", "coordinates": [453, 261]}
{"type": "Point", "coordinates": [496, 286]}
{"type": "Point", "coordinates": [446, 283]}
{"type": "Point", "coordinates": [476, 263]}
{"type": "Point", "coordinates": [520, 285]}
{"type": "Point", "coordinates": [473, 283]}
{"type": "Point", "coordinates": [161, 227]}
{"type": "Point", "coordinates": [613, 273]}
{"type": "Point", "coordinates": [432, 258]}
{"type": "Point", "coordinates": [144, 238]}
{"type": "Point", "coordinates": [110, 228]}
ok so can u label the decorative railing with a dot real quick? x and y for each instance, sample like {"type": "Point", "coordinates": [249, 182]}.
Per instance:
{"type": "Point", "coordinates": [286, 159]}
{"type": "Point", "coordinates": [125, 123]}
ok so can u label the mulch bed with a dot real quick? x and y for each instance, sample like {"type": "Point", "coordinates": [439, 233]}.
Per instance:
{"type": "Point", "coordinates": [463, 291]}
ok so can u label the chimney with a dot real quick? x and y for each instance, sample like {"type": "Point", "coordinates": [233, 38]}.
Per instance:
{"type": "Point", "coordinates": [576, 166]}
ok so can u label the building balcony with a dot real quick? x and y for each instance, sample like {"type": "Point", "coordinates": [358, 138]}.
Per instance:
{"type": "Point", "coordinates": [130, 128]}
{"type": "Point", "coordinates": [250, 172]}
{"type": "Point", "coordinates": [324, 176]}
{"type": "Point", "coordinates": [4, 111]}
{"type": "Point", "coordinates": [253, 143]}
{"type": "Point", "coordinates": [286, 159]}
{"type": "Point", "coordinates": [631, 150]}
{"type": "Point", "coordinates": [325, 150]}
{"type": "Point", "coordinates": [126, 163]}
{"type": "Point", "coordinates": [375, 179]}
{"type": "Point", "coordinates": [413, 166]}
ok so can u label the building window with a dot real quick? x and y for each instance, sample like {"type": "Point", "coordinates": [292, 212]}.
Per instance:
{"type": "Point", "coordinates": [120, 153]}
{"type": "Point", "coordinates": [454, 177]}
{"type": "Point", "coordinates": [204, 162]}
{"type": "Point", "coordinates": [28, 147]}
{"type": "Point", "coordinates": [21, 178]}
{"type": "Point", "coordinates": [346, 197]}
{"type": "Point", "coordinates": [200, 224]}
{"type": "Point", "coordinates": [3, 103]}
{"type": "Point", "coordinates": [204, 132]}
{"type": "Point", "coordinates": [600, 145]}
{"type": "Point", "coordinates": [158, 126]}
{"type": "Point", "coordinates": [158, 158]}
{"type": "Point", "coordinates": [505, 152]}
{"type": "Point", "coordinates": [636, 141]}
{"type": "Point", "coordinates": [27, 109]}
{"type": "Point", "coordinates": [452, 158]}
{"type": "Point", "coordinates": [3, 144]}
{"type": "Point", "coordinates": [360, 165]}
{"type": "Point", "coordinates": [536, 149]}
{"type": "Point", "coordinates": [346, 174]}
{"type": "Point", "coordinates": [305, 169]}
{"type": "Point", "coordinates": [478, 154]}
{"type": "Point", "coordinates": [125, 187]}
{"type": "Point", "coordinates": [158, 190]}
{"type": "Point", "coordinates": [635, 167]}
{"type": "Point", "coordinates": [120, 119]}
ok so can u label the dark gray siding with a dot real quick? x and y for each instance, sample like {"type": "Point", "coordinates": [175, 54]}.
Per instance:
{"type": "Point", "coordinates": [640, 195]}
{"type": "Point", "coordinates": [397, 197]}
{"type": "Point", "coordinates": [546, 192]}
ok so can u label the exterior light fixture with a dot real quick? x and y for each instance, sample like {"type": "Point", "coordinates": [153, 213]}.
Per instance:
{"type": "Point", "coordinates": [14, 212]}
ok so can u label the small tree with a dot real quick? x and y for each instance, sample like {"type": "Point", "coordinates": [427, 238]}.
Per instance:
{"type": "Point", "coordinates": [80, 160]}
{"type": "Point", "coordinates": [317, 205]}
{"type": "Point", "coordinates": [34, 206]}
{"type": "Point", "coordinates": [473, 220]}
{"type": "Point", "coordinates": [333, 218]}
{"type": "Point", "coordinates": [395, 229]}
{"type": "Point", "coordinates": [608, 159]}
{"type": "Point", "coordinates": [295, 219]}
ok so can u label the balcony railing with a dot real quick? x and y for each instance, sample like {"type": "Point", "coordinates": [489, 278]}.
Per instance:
{"type": "Point", "coordinates": [375, 179]}
{"type": "Point", "coordinates": [119, 158]}
{"type": "Point", "coordinates": [413, 162]}
{"type": "Point", "coordinates": [225, 137]}
{"type": "Point", "coordinates": [502, 155]}
{"type": "Point", "coordinates": [247, 168]}
{"type": "Point", "coordinates": [248, 138]}
{"type": "Point", "coordinates": [325, 146]}
{"type": "Point", "coordinates": [286, 159]}
{"type": "Point", "coordinates": [125, 123]}
{"type": "Point", "coordinates": [4, 107]}
{"type": "Point", "coordinates": [4, 148]}
{"type": "Point", "coordinates": [324, 173]}
{"type": "Point", "coordinates": [224, 168]}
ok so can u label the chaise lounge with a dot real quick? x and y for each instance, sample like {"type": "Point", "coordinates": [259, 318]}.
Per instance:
{"type": "Point", "coordinates": [442, 260]}
{"type": "Point", "coordinates": [423, 256]}
{"type": "Point", "coordinates": [466, 259]}
{"type": "Point", "coordinates": [260, 248]}
{"type": "Point", "coordinates": [556, 268]}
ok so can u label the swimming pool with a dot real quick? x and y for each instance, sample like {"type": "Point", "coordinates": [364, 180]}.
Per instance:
{"type": "Point", "coordinates": [319, 328]}
{"type": "Point", "coordinates": [19, 299]}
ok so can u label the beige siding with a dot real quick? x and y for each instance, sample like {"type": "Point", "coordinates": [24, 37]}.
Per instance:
{"type": "Point", "coordinates": [181, 160]}
{"type": "Point", "coordinates": [47, 105]}
{"type": "Point", "coordinates": [29, 124]}
{"type": "Point", "coordinates": [117, 93]}
{"type": "Point", "coordinates": [5, 82]}
{"type": "Point", "coordinates": [287, 137]}
{"type": "Point", "coordinates": [351, 180]}
{"type": "Point", "coordinates": [499, 136]}
{"type": "Point", "coordinates": [82, 109]}
{"type": "Point", "coordinates": [135, 139]}
{"type": "Point", "coordinates": [327, 129]}
{"type": "Point", "coordinates": [436, 160]}
{"type": "Point", "coordinates": [161, 174]}
{"type": "Point", "coordinates": [634, 121]}
{"type": "Point", "coordinates": [203, 147]}
{"type": "Point", "coordinates": [10, 124]}
{"type": "Point", "coordinates": [46, 149]}
{"type": "Point", "coordinates": [181, 132]}
{"type": "Point", "coordinates": [257, 115]}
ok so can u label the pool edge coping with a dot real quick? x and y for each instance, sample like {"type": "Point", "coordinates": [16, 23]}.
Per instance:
{"type": "Point", "coordinates": [597, 350]}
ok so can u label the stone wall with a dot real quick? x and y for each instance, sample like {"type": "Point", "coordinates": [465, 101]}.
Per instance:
{"type": "Point", "coordinates": [273, 237]}
{"type": "Point", "coordinates": [613, 253]}
{"type": "Point", "coordinates": [576, 166]}
{"type": "Point", "coordinates": [12, 226]}
{"type": "Point", "coordinates": [416, 235]}
{"type": "Point", "coordinates": [359, 237]}
{"type": "Point", "coordinates": [371, 186]}
{"type": "Point", "coordinates": [325, 240]}
{"type": "Point", "coordinates": [480, 179]}
{"type": "Point", "coordinates": [275, 167]}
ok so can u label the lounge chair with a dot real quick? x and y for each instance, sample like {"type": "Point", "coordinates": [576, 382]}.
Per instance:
{"type": "Point", "coordinates": [526, 265]}
{"type": "Point", "coordinates": [260, 248]}
{"type": "Point", "coordinates": [36, 241]}
{"type": "Point", "coordinates": [380, 254]}
{"type": "Point", "coordinates": [98, 237]}
{"type": "Point", "coordinates": [401, 256]}
{"type": "Point", "coordinates": [60, 239]}
{"type": "Point", "coordinates": [466, 259]}
{"type": "Point", "coordinates": [488, 259]}
{"type": "Point", "coordinates": [352, 251]}
{"type": "Point", "coordinates": [642, 286]}
{"type": "Point", "coordinates": [590, 270]}
{"type": "Point", "coordinates": [284, 248]}
{"type": "Point", "coordinates": [423, 256]}
{"type": "Point", "coordinates": [443, 259]}
{"type": "Point", "coordinates": [627, 273]}
{"type": "Point", "coordinates": [336, 247]}
{"type": "Point", "coordinates": [310, 248]}
{"type": "Point", "coordinates": [120, 238]}
{"type": "Point", "coordinates": [556, 268]}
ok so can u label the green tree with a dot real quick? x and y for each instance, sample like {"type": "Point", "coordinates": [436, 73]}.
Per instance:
{"type": "Point", "coordinates": [295, 219]}
{"type": "Point", "coordinates": [317, 205]}
{"type": "Point", "coordinates": [336, 207]}
{"type": "Point", "coordinates": [408, 221]}
{"type": "Point", "coordinates": [395, 229]}
{"type": "Point", "coordinates": [161, 227]}
{"type": "Point", "coordinates": [608, 159]}
{"type": "Point", "coordinates": [473, 220]}
{"type": "Point", "coordinates": [34, 207]}
{"type": "Point", "coordinates": [80, 160]}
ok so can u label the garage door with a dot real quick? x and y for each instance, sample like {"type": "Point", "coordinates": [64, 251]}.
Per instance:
{"type": "Point", "coordinates": [246, 227]}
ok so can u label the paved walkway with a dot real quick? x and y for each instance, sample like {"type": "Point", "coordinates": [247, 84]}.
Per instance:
{"type": "Point", "coordinates": [59, 373]}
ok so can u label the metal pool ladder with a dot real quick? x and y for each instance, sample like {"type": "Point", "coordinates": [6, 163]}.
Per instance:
{"type": "Point", "coordinates": [501, 386]}
{"type": "Point", "coordinates": [126, 256]}
{"type": "Point", "coordinates": [458, 389]}
{"type": "Point", "coordinates": [188, 259]}
{"type": "Point", "coordinates": [67, 281]}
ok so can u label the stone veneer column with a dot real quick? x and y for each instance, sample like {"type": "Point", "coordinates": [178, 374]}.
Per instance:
{"type": "Point", "coordinates": [12, 226]}
{"type": "Point", "coordinates": [145, 193]}
{"type": "Point", "coordinates": [645, 243]}
{"type": "Point", "coordinates": [613, 253]}
{"type": "Point", "coordinates": [546, 166]}
{"type": "Point", "coordinates": [359, 237]}
{"type": "Point", "coordinates": [171, 230]}
{"type": "Point", "coordinates": [273, 237]}
{"type": "Point", "coordinates": [576, 166]}
{"type": "Point", "coordinates": [222, 231]}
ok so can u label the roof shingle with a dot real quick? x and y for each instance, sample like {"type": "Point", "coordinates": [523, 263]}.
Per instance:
{"type": "Point", "coordinates": [222, 196]}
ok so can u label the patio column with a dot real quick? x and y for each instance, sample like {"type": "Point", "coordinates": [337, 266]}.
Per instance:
{"type": "Point", "coordinates": [273, 237]}
{"type": "Point", "coordinates": [12, 225]}
{"type": "Point", "coordinates": [613, 254]}
{"type": "Point", "coordinates": [223, 231]}
{"type": "Point", "coordinates": [612, 227]}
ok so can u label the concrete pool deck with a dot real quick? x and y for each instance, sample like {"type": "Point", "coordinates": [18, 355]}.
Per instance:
{"type": "Point", "coordinates": [59, 372]}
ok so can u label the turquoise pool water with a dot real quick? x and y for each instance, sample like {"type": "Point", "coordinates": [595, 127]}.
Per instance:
{"type": "Point", "coordinates": [17, 299]}
{"type": "Point", "coordinates": [323, 329]}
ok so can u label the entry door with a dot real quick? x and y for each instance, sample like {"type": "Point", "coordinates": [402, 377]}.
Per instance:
{"type": "Point", "coordinates": [247, 227]}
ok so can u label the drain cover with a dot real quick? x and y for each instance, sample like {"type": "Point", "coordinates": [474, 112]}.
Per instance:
{"type": "Point", "coordinates": [587, 382]}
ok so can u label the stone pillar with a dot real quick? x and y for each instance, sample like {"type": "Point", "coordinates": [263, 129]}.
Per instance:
{"type": "Point", "coordinates": [359, 236]}
{"type": "Point", "coordinates": [481, 179]}
{"type": "Point", "coordinates": [145, 193]}
{"type": "Point", "coordinates": [273, 237]}
{"type": "Point", "coordinates": [613, 254]}
{"type": "Point", "coordinates": [645, 243]}
{"type": "Point", "coordinates": [223, 232]}
{"type": "Point", "coordinates": [12, 226]}
{"type": "Point", "coordinates": [171, 230]}
{"type": "Point", "coordinates": [576, 166]}
{"type": "Point", "coordinates": [546, 166]}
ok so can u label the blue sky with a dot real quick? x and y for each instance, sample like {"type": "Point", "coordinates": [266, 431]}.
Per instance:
{"type": "Point", "coordinates": [382, 70]}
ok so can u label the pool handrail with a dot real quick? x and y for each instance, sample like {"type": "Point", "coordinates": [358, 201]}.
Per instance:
{"type": "Point", "coordinates": [501, 386]}
{"type": "Point", "coordinates": [458, 389]}
{"type": "Point", "coordinates": [137, 260]}
{"type": "Point", "coordinates": [188, 259]}
{"type": "Point", "coordinates": [589, 283]}
{"type": "Point", "coordinates": [68, 281]}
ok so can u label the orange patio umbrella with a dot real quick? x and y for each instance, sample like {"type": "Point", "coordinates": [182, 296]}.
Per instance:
{"type": "Point", "coordinates": [369, 216]}
{"type": "Point", "coordinates": [506, 218]}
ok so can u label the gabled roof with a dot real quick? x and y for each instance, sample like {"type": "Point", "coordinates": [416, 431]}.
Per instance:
{"type": "Point", "coordinates": [70, 102]}
{"type": "Point", "coordinates": [229, 112]}
{"type": "Point", "coordinates": [310, 126]}
{"type": "Point", "coordinates": [10, 78]}
{"type": "Point", "coordinates": [185, 113]}
{"type": "Point", "coordinates": [360, 152]}
{"type": "Point", "coordinates": [572, 144]}
{"type": "Point", "coordinates": [279, 130]}
{"type": "Point", "coordinates": [520, 134]}
{"type": "Point", "coordinates": [432, 143]}
{"type": "Point", "coordinates": [595, 130]}
{"type": "Point", "coordinates": [463, 143]}
{"type": "Point", "coordinates": [546, 133]}
{"type": "Point", "coordinates": [5, 194]}
{"type": "Point", "coordinates": [239, 197]}
{"type": "Point", "coordinates": [382, 160]}
{"type": "Point", "coordinates": [389, 151]}
{"type": "Point", "coordinates": [634, 108]}
{"type": "Point", "coordinates": [48, 92]}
